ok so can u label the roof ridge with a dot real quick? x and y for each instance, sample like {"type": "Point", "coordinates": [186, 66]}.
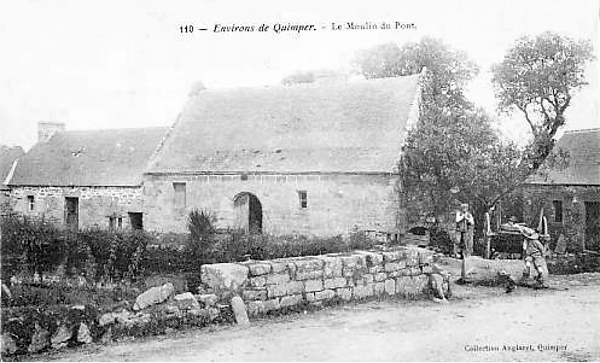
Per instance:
{"type": "Point", "coordinates": [302, 85]}
{"type": "Point", "coordinates": [581, 131]}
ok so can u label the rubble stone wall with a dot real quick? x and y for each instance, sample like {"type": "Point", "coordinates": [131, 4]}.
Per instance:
{"type": "Point", "coordinates": [275, 284]}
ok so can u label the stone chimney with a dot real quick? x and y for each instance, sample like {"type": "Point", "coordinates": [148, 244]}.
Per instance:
{"type": "Point", "coordinates": [48, 128]}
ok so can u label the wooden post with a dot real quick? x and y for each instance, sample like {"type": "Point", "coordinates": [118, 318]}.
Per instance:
{"type": "Point", "coordinates": [486, 234]}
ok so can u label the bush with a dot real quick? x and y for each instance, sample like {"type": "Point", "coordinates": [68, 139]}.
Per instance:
{"type": "Point", "coordinates": [117, 254]}
{"type": "Point", "coordinates": [36, 242]}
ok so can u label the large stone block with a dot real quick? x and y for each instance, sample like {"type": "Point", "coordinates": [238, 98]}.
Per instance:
{"type": "Point", "coordinates": [390, 286]}
{"type": "Point", "coordinates": [350, 262]}
{"type": "Point", "coordinates": [332, 266]}
{"type": "Point", "coordinates": [294, 287]}
{"type": "Point", "coordinates": [259, 281]}
{"type": "Point", "coordinates": [278, 278]}
{"type": "Point", "coordinates": [362, 292]}
{"type": "Point", "coordinates": [186, 301]}
{"type": "Point", "coordinates": [274, 291]}
{"type": "Point", "coordinates": [372, 259]}
{"type": "Point", "coordinates": [258, 269]}
{"type": "Point", "coordinates": [239, 311]}
{"type": "Point", "coordinates": [344, 293]}
{"type": "Point", "coordinates": [224, 276]}
{"type": "Point", "coordinates": [272, 304]}
{"type": "Point", "coordinates": [334, 283]}
{"type": "Point", "coordinates": [153, 296]}
{"type": "Point", "coordinates": [249, 295]}
{"type": "Point", "coordinates": [313, 285]}
{"type": "Point", "coordinates": [309, 264]}
{"type": "Point", "coordinates": [309, 275]}
{"type": "Point", "coordinates": [278, 267]}
{"type": "Point", "coordinates": [290, 300]}
{"type": "Point", "coordinates": [324, 295]}
{"type": "Point", "coordinates": [380, 277]}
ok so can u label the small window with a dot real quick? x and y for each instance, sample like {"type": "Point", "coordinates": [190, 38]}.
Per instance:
{"type": "Point", "coordinates": [136, 220]}
{"type": "Point", "coordinates": [111, 222]}
{"type": "Point", "coordinates": [120, 222]}
{"type": "Point", "coordinates": [244, 177]}
{"type": "Point", "coordinates": [31, 202]}
{"type": "Point", "coordinates": [303, 199]}
{"type": "Point", "coordinates": [558, 210]}
{"type": "Point", "coordinates": [179, 194]}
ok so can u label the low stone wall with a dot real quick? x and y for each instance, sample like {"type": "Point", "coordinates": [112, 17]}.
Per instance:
{"type": "Point", "coordinates": [281, 283]}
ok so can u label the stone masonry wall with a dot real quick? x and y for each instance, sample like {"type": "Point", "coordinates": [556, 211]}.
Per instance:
{"type": "Point", "coordinates": [96, 204]}
{"type": "Point", "coordinates": [573, 200]}
{"type": "Point", "coordinates": [336, 203]}
{"type": "Point", "coordinates": [275, 284]}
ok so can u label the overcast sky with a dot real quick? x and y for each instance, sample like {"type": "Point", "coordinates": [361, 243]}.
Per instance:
{"type": "Point", "coordinates": [110, 64]}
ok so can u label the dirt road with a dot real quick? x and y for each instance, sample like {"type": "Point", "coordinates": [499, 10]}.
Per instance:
{"type": "Point", "coordinates": [555, 325]}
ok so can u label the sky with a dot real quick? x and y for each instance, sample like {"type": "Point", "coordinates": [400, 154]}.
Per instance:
{"type": "Point", "coordinates": [112, 64]}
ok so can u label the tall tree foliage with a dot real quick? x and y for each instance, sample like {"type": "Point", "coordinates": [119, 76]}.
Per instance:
{"type": "Point", "coordinates": [453, 153]}
{"type": "Point", "coordinates": [538, 78]}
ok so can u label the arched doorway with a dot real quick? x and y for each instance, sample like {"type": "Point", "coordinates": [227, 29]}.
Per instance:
{"type": "Point", "coordinates": [248, 213]}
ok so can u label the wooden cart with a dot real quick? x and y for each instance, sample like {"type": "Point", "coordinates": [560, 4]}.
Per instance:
{"type": "Point", "coordinates": [507, 244]}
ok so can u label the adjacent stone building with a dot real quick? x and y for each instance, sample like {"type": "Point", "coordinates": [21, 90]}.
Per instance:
{"type": "Point", "coordinates": [316, 158]}
{"type": "Point", "coordinates": [570, 197]}
{"type": "Point", "coordinates": [84, 178]}
{"type": "Point", "coordinates": [8, 157]}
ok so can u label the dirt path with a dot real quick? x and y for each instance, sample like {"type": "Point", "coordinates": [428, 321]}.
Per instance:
{"type": "Point", "coordinates": [399, 331]}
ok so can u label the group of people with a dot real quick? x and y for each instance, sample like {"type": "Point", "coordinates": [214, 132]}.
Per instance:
{"type": "Point", "coordinates": [533, 249]}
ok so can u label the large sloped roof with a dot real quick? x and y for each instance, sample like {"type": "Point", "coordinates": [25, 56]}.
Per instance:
{"type": "Point", "coordinates": [89, 158]}
{"type": "Point", "coordinates": [339, 126]}
{"type": "Point", "coordinates": [8, 155]}
{"type": "Point", "coordinates": [583, 148]}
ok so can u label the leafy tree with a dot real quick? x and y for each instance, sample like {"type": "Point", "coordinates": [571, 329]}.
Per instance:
{"type": "Point", "coordinates": [538, 77]}
{"type": "Point", "coordinates": [450, 69]}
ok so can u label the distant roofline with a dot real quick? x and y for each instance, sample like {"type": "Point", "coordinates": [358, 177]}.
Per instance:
{"type": "Point", "coordinates": [266, 172]}
{"type": "Point", "coordinates": [76, 185]}
{"type": "Point", "coordinates": [581, 131]}
{"type": "Point", "coordinates": [301, 85]}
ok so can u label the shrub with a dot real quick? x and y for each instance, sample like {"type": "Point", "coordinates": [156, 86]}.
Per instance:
{"type": "Point", "coordinates": [118, 254]}
{"type": "Point", "coordinates": [201, 225]}
{"type": "Point", "coordinates": [34, 240]}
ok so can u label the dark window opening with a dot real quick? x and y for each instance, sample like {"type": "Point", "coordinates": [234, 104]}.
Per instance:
{"type": "Point", "coordinates": [303, 199]}
{"type": "Point", "coordinates": [558, 210]}
{"type": "Point", "coordinates": [180, 194]}
{"type": "Point", "coordinates": [115, 222]}
{"type": "Point", "coordinates": [244, 177]}
{"type": "Point", "coordinates": [72, 212]}
{"type": "Point", "coordinates": [31, 202]}
{"type": "Point", "coordinates": [136, 220]}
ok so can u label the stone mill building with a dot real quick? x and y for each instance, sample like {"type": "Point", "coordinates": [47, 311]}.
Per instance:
{"type": "Point", "coordinates": [317, 158]}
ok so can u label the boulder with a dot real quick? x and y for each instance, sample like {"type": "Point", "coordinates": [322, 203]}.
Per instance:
{"type": "Point", "coordinates": [6, 291]}
{"type": "Point", "coordinates": [224, 276]}
{"type": "Point", "coordinates": [239, 311]}
{"type": "Point", "coordinates": [40, 340]}
{"type": "Point", "coordinates": [186, 301]}
{"type": "Point", "coordinates": [61, 336]}
{"type": "Point", "coordinates": [207, 299]}
{"type": "Point", "coordinates": [8, 346]}
{"type": "Point", "coordinates": [107, 319]}
{"type": "Point", "coordinates": [83, 334]}
{"type": "Point", "coordinates": [153, 296]}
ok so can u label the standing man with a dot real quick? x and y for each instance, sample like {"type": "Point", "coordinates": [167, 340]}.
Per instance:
{"type": "Point", "coordinates": [465, 223]}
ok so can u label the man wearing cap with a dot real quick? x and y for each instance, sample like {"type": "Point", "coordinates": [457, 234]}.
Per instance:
{"type": "Point", "coordinates": [465, 224]}
{"type": "Point", "coordinates": [534, 253]}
